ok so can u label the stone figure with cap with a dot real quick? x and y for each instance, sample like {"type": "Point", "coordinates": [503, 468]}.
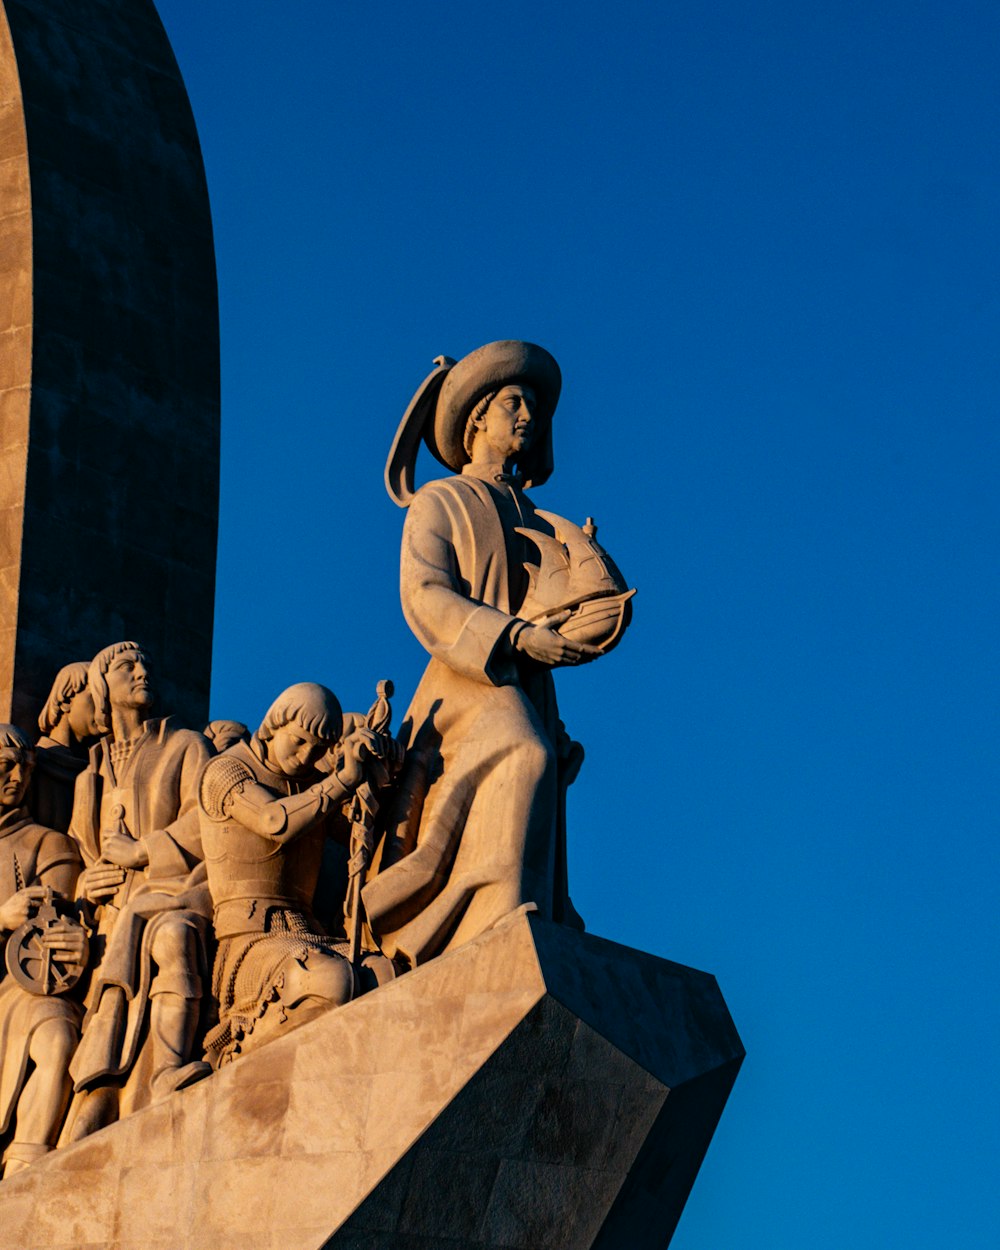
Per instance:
{"type": "Point", "coordinates": [500, 594]}
{"type": "Point", "coordinates": [135, 817]}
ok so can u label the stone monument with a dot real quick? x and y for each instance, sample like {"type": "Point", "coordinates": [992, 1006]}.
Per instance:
{"type": "Point", "coordinates": [318, 985]}
{"type": "Point", "coordinates": [109, 345]}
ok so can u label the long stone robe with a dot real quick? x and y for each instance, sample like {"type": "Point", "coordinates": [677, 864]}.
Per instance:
{"type": "Point", "coordinates": [30, 854]}
{"type": "Point", "coordinates": [158, 790]}
{"type": "Point", "coordinates": [475, 830]}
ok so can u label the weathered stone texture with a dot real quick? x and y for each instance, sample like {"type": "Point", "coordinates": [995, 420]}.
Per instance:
{"type": "Point", "coordinates": [109, 353]}
{"type": "Point", "coordinates": [537, 1088]}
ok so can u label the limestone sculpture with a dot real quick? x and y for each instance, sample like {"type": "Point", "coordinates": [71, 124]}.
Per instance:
{"type": "Point", "coordinates": [67, 727]}
{"type": "Point", "coordinates": [514, 1092]}
{"type": "Point", "coordinates": [135, 818]}
{"type": "Point", "coordinates": [487, 584]}
{"type": "Point", "coordinates": [38, 1027]}
{"type": "Point", "coordinates": [266, 810]}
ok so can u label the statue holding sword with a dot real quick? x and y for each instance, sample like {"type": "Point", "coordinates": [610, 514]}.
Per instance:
{"type": "Point", "coordinates": [268, 807]}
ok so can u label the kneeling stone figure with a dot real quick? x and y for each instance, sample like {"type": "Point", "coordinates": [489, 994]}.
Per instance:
{"type": "Point", "coordinates": [266, 810]}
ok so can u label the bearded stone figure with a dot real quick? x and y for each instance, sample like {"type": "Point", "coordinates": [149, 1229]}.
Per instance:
{"type": "Point", "coordinates": [500, 594]}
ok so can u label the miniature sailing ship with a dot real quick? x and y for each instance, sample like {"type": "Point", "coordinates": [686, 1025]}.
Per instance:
{"type": "Point", "coordinates": [576, 575]}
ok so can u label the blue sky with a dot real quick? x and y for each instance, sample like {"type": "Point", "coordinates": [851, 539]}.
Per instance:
{"type": "Point", "coordinates": [762, 242]}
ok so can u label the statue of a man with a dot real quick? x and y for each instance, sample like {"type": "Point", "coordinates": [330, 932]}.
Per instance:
{"type": "Point", "coordinates": [38, 1032]}
{"type": "Point", "coordinates": [135, 817]}
{"type": "Point", "coordinates": [477, 830]}
{"type": "Point", "coordinates": [266, 812]}
{"type": "Point", "coordinates": [67, 727]}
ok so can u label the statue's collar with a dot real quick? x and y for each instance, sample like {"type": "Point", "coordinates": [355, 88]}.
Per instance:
{"type": "Point", "coordinates": [491, 473]}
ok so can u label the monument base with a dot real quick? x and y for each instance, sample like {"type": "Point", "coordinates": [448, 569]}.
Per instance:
{"type": "Point", "coordinates": [537, 1088]}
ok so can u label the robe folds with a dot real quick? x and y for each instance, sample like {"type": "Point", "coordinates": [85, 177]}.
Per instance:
{"type": "Point", "coordinates": [157, 789]}
{"type": "Point", "coordinates": [30, 854]}
{"type": "Point", "coordinates": [474, 831]}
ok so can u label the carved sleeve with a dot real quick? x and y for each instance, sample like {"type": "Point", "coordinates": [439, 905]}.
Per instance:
{"type": "Point", "coordinates": [176, 849]}
{"type": "Point", "coordinates": [442, 542]}
{"type": "Point", "coordinates": [58, 863]}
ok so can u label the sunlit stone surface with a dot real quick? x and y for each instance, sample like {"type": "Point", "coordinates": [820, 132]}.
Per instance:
{"type": "Point", "coordinates": [537, 1087]}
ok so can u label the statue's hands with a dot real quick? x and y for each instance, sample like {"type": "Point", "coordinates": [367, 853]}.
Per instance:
{"type": "Point", "coordinates": [66, 940]}
{"type": "Point", "coordinates": [123, 850]}
{"type": "Point", "coordinates": [542, 643]}
{"type": "Point", "coordinates": [19, 907]}
{"type": "Point", "coordinates": [361, 748]}
{"type": "Point", "coordinates": [99, 883]}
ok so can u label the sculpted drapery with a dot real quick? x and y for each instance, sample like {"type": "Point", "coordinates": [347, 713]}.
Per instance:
{"type": "Point", "coordinates": [477, 828]}
{"type": "Point", "coordinates": [30, 855]}
{"type": "Point", "coordinates": [157, 790]}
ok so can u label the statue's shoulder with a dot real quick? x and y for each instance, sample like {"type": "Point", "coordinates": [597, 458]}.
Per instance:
{"type": "Point", "coordinates": [223, 774]}
{"type": "Point", "coordinates": [446, 494]}
{"type": "Point", "coordinates": [444, 488]}
{"type": "Point", "coordinates": [46, 845]}
{"type": "Point", "coordinates": [55, 847]}
{"type": "Point", "coordinates": [179, 737]}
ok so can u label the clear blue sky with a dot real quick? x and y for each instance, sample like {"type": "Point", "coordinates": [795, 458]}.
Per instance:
{"type": "Point", "coordinates": [762, 240]}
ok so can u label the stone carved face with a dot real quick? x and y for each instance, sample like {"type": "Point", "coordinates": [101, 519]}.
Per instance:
{"type": "Point", "coordinates": [15, 773]}
{"type": "Point", "coordinates": [509, 422]}
{"type": "Point", "coordinates": [82, 721]}
{"type": "Point", "coordinates": [295, 751]}
{"type": "Point", "coordinates": [128, 681]}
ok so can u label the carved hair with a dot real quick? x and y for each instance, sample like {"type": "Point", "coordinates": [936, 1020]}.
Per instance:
{"type": "Point", "coordinates": [69, 681]}
{"type": "Point", "coordinates": [99, 665]}
{"type": "Point", "coordinates": [225, 733]}
{"type": "Point", "coordinates": [309, 705]}
{"type": "Point", "coordinates": [14, 739]}
{"type": "Point", "coordinates": [469, 437]}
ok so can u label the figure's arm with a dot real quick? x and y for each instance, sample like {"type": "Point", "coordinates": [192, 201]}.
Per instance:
{"type": "Point", "coordinates": [282, 819]}
{"type": "Point", "coordinates": [229, 791]}
{"type": "Point", "coordinates": [174, 851]}
{"type": "Point", "coordinates": [99, 880]}
{"type": "Point", "coordinates": [58, 864]}
{"type": "Point", "coordinates": [475, 639]}
{"type": "Point", "coordinates": [84, 825]}
{"type": "Point", "coordinates": [471, 637]}
{"type": "Point", "coordinates": [543, 642]}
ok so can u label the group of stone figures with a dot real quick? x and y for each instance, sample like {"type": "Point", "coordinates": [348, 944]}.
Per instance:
{"type": "Point", "coordinates": [172, 899]}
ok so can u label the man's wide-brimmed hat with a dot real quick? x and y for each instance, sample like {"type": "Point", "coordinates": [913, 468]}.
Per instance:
{"type": "Point", "coordinates": [439, 411]}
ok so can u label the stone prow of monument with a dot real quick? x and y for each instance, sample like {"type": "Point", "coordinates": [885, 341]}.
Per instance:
{"type": "Point", "coordinates": [109, 354]}
{"type": "Point", "coordinates": [535, 1088]}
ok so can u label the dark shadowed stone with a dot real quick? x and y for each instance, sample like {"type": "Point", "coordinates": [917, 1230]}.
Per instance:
{"type": "Point", "coordinates": [109, 354]}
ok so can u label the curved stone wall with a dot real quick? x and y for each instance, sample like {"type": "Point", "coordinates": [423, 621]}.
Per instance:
{"type": "Point", "coordinates": [109, 353]}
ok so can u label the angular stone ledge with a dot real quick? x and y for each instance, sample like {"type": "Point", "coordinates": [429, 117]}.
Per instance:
{"type": "Point", "coordinates": [536, 1088]}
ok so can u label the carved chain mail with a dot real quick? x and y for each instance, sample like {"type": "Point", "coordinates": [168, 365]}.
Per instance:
{"type": "Point", "coordinates": [223, 778]}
